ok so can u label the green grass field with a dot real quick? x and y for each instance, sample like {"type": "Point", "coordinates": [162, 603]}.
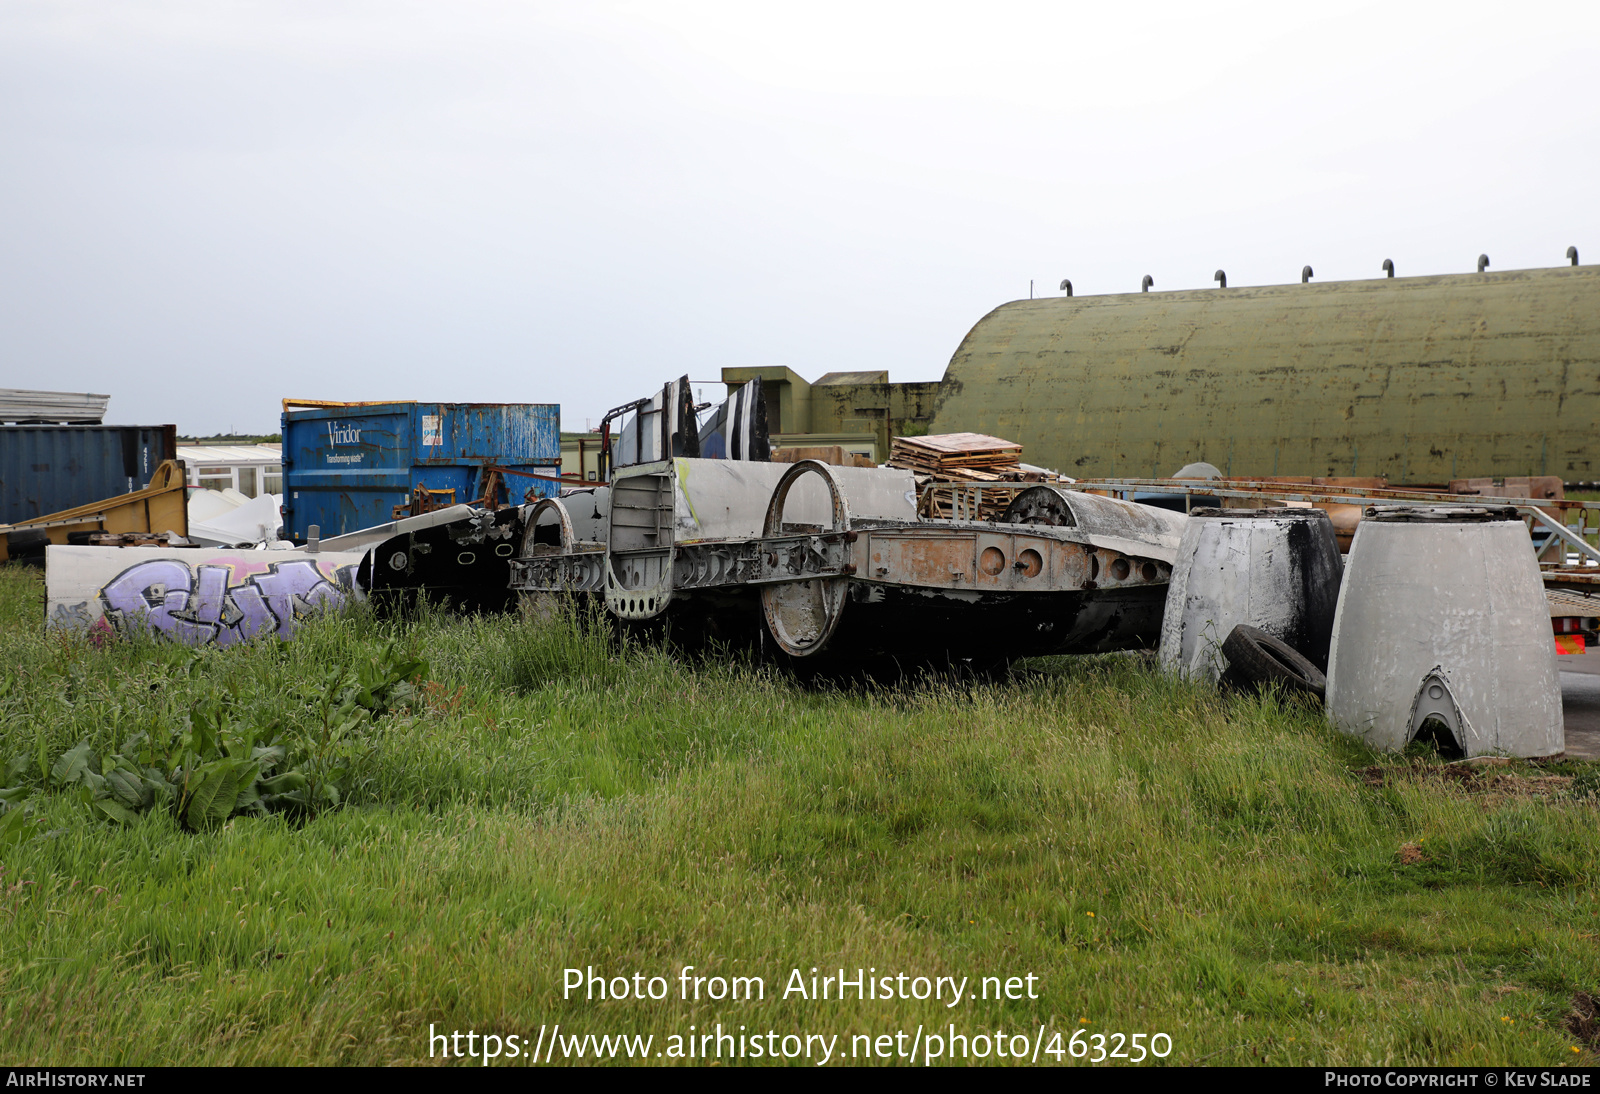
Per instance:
{"type": "Point", "coordinates": [1160, 859]}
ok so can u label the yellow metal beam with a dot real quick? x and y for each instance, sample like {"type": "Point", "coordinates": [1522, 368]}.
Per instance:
{"type": "Point", "coordinates": [162, 506]}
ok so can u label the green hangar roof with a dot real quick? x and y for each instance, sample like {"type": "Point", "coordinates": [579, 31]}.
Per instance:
{"type": "Point", "coordinates": [1422, 379]}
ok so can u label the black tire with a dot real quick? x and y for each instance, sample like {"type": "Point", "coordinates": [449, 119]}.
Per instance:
{"type": "Point", "coordinates": [1260, 659]}
{"type": "Point", "coordinates": [25, 546]}
{"type": "Point", "coordinates": [28, 541]}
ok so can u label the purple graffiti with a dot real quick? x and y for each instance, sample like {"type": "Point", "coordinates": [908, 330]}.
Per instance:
{"type": "Point", "coordinates": [218, 604]}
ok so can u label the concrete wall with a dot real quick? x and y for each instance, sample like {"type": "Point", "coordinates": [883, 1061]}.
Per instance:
{"type": "Point", "coordinates": [840, 403]}
{"type": "Point", "coordinates": [866, 402]}
{"type": "Point", "coordinates": [195, 597]}
{"type": "Point", "coordinates": [787, 393]}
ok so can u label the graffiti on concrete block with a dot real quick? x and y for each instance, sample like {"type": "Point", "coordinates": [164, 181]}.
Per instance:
{"type": "Point", "coordinates": [197, 597]}
{"type": "Point", "coordinates": [222, 600]}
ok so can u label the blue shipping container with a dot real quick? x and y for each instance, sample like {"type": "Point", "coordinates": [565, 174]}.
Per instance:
{"type": "Point", "coordinates": [47, 468]}
{"type": "Point", "coordinates": [346, 467]}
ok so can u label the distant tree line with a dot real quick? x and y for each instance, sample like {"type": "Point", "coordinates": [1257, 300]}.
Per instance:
{"type": "Point", "coordinates": [234, 438]}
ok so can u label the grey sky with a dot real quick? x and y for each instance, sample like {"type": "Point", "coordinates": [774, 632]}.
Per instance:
{"type": "Point", "coordinates": [209, 206]}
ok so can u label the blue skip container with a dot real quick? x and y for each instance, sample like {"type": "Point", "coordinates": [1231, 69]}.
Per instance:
{"type": "Point", "coordinates": [347, 465]}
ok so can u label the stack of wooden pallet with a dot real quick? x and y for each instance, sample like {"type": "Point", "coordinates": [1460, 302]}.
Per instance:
{"type": "Point", "coordinates": [966, 458]}
{"type": "Point", "coordinates": [956, 457]}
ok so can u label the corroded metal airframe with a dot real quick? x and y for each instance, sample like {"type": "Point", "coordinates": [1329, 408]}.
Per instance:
{"type": "Point", "coordinates": [1032, 574]}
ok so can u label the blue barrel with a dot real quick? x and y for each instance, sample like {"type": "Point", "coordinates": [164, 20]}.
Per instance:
{"type": "Point", "coordinates": [345, 467]}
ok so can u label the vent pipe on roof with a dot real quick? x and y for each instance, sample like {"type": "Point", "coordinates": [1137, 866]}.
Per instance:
{"type": "Point", "coordinates": [1388, 266]}
{"type": "Point", "coordinates": [1483, 263]}
{"type": "Point", "coordinates": [1144, 286]}
{"type": "Point", "coordinates": [1305, 274]}
{"type": "Point", "coordinates": [1572, 253]}
{"type": "Point", "coordinates": [1066, 286]}
{"type": "Point", "coordinates": [1220, 278]}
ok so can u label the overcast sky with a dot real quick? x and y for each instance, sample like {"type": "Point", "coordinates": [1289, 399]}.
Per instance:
{"type": "Point", "coordinates": [207, 206]}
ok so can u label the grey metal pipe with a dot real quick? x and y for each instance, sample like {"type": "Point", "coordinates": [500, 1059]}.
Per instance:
{"type": "Point", "coordinates": [1220, 278]}
{"type": "Point", "coordinates": [1388, 266]}
{"type": "Point", "coordinates": [1483, 263]}
{"type": "Point", "coordinates": [1144, 286]}
{"type": "Point", "coordinates": [1306, 274]}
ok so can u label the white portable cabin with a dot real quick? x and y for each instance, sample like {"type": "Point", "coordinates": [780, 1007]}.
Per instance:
{"type": "Point", "coordinates": [251, 469]}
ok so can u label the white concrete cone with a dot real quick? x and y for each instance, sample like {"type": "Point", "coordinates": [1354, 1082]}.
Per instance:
{"type": "Point", "coordinates": [1274, 569]}
{"type": "Point", "coordinates": [1443, 616]}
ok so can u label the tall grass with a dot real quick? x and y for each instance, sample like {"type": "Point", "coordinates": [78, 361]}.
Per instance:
{"type": "Point", "coordinates": [1162, 859]}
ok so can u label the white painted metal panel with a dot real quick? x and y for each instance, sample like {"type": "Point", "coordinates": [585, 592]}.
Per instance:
{"type": "Point", "coordinates": [1112, 523]}
{"type": "Point", "coordinates": [588, 507]}
{"type": "Point", "coordinates": [727, 499]}
{"type": "Point", "coordinates": [362, 538]}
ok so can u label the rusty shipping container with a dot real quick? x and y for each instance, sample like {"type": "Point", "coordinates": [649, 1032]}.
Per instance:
{"type": "Point", "coordinates": [47, 468]}
{"type": "Point", "coordinates": [1419, 379]}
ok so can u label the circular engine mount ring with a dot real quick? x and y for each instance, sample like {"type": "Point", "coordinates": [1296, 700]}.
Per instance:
{"type": "Point", "coordinates": [802, 615]}
{"type": "Point", "coordinates": [1040, 505]}
{"type": "Point", "coordinates": [531, 528]}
